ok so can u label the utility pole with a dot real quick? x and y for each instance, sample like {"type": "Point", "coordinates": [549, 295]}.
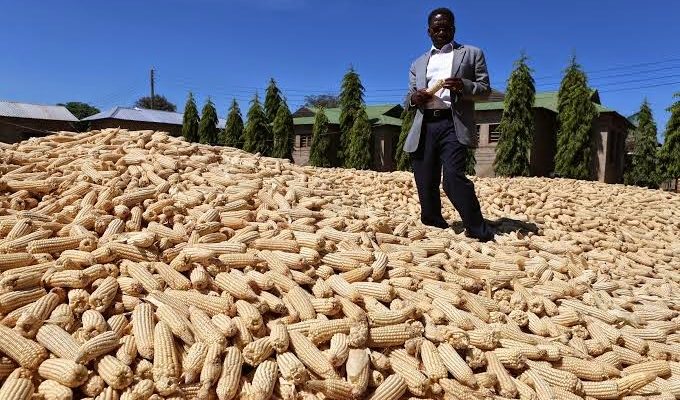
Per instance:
{"type": "Point", "coordinates": [153, 81]}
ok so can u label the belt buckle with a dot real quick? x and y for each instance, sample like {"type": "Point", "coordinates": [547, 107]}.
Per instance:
{"type": "Point", "coordinates": [436, 114]}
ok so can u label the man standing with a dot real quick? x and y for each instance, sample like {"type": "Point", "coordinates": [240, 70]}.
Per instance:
{"type": "Point", "coordinates": [443, 85]}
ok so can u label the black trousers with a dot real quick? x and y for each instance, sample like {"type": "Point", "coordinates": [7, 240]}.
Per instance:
{"type": "Point", "coordinates": [439, 149]}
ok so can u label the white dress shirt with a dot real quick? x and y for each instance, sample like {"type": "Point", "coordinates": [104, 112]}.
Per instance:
{"type": "Point", "coordinates": [439, 67]}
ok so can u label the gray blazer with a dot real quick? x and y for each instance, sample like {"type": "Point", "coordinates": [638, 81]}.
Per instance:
{"type": "Point", "coordinates": [468, 64]}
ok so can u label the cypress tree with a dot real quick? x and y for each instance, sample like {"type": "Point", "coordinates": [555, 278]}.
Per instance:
{"type": "Point", "coordinates": [208, 132]}
{"type": "Point", "coordinates": [190, 120]}
{"type": "Point", "coordinates": [402, 161]}
{"type": "Point", "coordinates": [517, 123]}
{"type": "Point", "coordinates": [642, 170]}
{"type": "Point", "coordinates": [358, 154]}
{"type": "Point", "coordinates": [272, 101]}
{"type": "Point", "coordinates": [575, 115]}
{"type": "Point", "coordinates": [351, 101]}
{"type": "Point", "coordinates": [321, 141]}
{"type": "Point", "coordinates": [233, 131]}
{"type": "Point", "coordinates": [256, 131]}
{"type": "Point", "coordinates": [670, 151]}
{"type": "Point", "coordinates": [283, 133]}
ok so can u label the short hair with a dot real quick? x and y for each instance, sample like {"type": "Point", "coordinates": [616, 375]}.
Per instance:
{"type": "Point", "coordinates": [441, 11]}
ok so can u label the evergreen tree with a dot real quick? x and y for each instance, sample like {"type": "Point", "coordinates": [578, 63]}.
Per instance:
{"type": "Point", "coordinates": [256, 131]}
{"type": "Point", "coordinates": [517, 123]}
{"type": "Point", "coordinates": [470, 161]}
{"type": "Point", "coordinates": [642, 170]}
{"type": "Point", "coordinates": [575, 115]}
{"type": "Point", "coordinates": [208, 132]}
{"type": "Point", "coordinates": [272, 101]}
{"type": "Point", "coordinates": [402, 161]}
{"type": "Point", "coordinates": [319, 153]}
{"type": "Point", "coordinates": [351, 101]}
{"type": "Point", "coordinates": [670, 151]}
{"type": "Point", "coordinates": [283, 131]}
{"type": "Point", "coordinates": [358, 153]}
{"type": "Point", "coordinates": [233, 131]}
{"type": "Point", "coordinates": [190, 120]}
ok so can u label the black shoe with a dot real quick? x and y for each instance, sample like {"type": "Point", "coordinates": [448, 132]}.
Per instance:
{"type": "Point", "coordinates": [488, 236]}
{"type": "Point", "coordinates": [438, 224]}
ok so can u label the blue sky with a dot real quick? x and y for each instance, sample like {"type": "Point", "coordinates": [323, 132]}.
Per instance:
{"type": "Point", "coordinates": [101, 52]}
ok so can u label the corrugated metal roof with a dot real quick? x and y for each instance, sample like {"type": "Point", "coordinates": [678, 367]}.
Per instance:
{"type": "Point", "coordinates": [14, 109]}
{"type": "Point", "coordinates": [376, 114]}
{"type": "Point", "coordinates": [144, 115]}
{"type": "Point", "coordinates": [547, 100]}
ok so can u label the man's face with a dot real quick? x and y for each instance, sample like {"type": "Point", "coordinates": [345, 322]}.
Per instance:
{"type": "Point", "coordinates": [440, 30]}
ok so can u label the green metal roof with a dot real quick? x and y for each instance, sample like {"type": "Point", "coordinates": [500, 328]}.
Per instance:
{"type": "Point", "coordinates": [376, 114]}
{"type": "Point", "coordinates": [546, 100]}
{"type": "Point", "coordinates": [634, 119]}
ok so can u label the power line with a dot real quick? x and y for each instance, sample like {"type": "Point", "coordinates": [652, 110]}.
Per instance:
{"type": "Point", "coordinates": [641, 87]}
{"type": "Point", "coordinates": [330, 90]}
{"type": "Point", "coordinates": [627, 81]}
{"type": "Point", "coordinates": [632, 73]}
{"type": "Point", "coordinates": [597, 71]}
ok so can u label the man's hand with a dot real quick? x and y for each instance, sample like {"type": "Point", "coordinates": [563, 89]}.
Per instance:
{"type": "Point", "coordinates": [420, 98]}
{"type": "Point", "coordinates": [454, 84]}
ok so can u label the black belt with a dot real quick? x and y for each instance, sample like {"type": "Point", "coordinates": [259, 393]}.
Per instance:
{"type": "Point", "coordinates": [437, 114]}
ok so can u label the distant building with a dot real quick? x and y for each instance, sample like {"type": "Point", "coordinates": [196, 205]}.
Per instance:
{"type": "Point", "coordinates": [386, 125]}
{"type": "Point", "coordinates": [140, 119]}
{"type": "Point", "coordinates": [610, 130]}
{"type": "Point", "coordinates": [20, 121]}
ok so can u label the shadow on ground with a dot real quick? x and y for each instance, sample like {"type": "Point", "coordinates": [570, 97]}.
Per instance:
{"type": "Point", "coordinates": [503, 226]}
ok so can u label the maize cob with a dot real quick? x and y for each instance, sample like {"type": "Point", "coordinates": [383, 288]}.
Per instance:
{"type": "Point", "coordinates": [65, 372]}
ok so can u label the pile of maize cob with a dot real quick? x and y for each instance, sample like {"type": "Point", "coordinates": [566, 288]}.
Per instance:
{"type": "Point", "coordinates": [135, 265]}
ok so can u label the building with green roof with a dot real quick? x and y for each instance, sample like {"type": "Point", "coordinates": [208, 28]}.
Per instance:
{"type": "Point", "coordinates": [609, 134]}
{"type": "Point", "coordinates": [385, 120]}
{"type": "Point", "coordinates": [608, 137]}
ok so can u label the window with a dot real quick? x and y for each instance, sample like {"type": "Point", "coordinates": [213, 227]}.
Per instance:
{"type": "Point", "coordinates": [494, 133]}
{"type": "Point", "coordinates": [305, 140]}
